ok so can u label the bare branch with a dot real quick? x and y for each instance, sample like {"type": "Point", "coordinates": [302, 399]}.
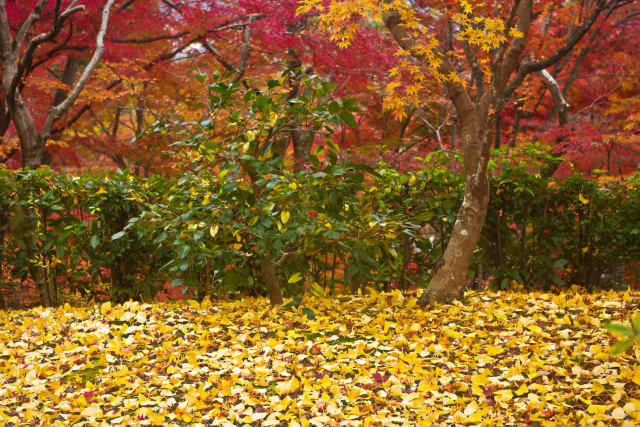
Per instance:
{"type": "Point", "coordinates": [561, 103]}
{"type": "Point", "coordinates": [24, 28]}
{"type": "Point", "coordinates": [235, 24]}
{"type": "Point", "coordinates": [478, 75]}
{"type": "Point", "coordinates": [218, 56]}
{"type": "Point", "coordinates": [55, 112]}
{"type": "Point", "coordinates": [152, 39]}
{"type": "Point", "coordinates": [244, 56]}
{"type": "Point", "coordinates": [5, 32]}
{"type": "Point", "coordinates": [27, 57]}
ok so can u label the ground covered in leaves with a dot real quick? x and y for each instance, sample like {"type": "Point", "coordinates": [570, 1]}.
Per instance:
{"type": "Point", "coordinates": [499, 359]}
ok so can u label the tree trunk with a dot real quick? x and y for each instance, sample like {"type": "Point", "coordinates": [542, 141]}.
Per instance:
{"type": "Point", "coordinates": [39, 276]}
{"type": "Point", "coordinates": [121, 285]}
{"type": "Point", "coordinates": [450, 279]}
{"type": "Point", "coordinates": [30, 142]}
{"type": "Point", "coordinates": [407, 254]}
{"type": "Point", "coordinates": [270, 278]}
{"type": "Point", "coordinates": [302, 143]}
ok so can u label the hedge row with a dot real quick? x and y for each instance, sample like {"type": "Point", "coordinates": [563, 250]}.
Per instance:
{"type": "Point", "coordinates": [331, 226]}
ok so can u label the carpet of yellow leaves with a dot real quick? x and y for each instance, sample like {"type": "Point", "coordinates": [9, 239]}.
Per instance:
{"type": "Point", "coordinates": [499, 359]}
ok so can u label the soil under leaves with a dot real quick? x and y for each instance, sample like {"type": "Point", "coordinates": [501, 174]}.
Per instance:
{"type": "Point", "coordinates": [498, 359]}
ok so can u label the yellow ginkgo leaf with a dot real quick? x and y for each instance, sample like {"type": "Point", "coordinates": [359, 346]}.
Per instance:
{"type": "Point", "coordinates": [91, 411]}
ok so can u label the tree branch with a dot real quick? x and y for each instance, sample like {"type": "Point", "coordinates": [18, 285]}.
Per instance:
{"type": "Point", "coordinates": [151, 39]}
{"type": "Point", "coordinates": [24, 28]}
{"type": "Point", "coordinates": [561, 103]}
{"type": "Point", "coordinates": [534, 66]}
{"type": "Point", "coordinates": [55, 112]}
{"type": "Point", "coordinates": [244, 56]}
{"type": "Point", "coordinates": [458, 94]}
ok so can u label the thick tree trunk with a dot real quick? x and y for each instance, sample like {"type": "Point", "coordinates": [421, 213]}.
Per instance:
{"type": "Point", "coordinates": [450, 279]}
{"type": "Point", "coordinates": [30, 141]}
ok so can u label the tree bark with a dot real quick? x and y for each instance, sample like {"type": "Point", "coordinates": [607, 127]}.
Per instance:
{"type": "Point", "coordinates": [270, 278]}
{"type": "Point", "coordinates": [450, 279]}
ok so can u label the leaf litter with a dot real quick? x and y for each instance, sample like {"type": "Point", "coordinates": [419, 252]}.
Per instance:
{"type": "Point", "coordinates": [499, 359]}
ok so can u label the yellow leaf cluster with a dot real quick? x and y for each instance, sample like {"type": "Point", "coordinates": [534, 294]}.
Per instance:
{"type": "Point", "coordinates": [499, 359]}
{"type": "Point", "coordinates": [343, 18]}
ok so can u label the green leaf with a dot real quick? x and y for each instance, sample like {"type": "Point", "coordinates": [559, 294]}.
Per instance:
{"type": "Point", "coordinates": [618, 330]}
{"type": "Point", "coordinates": [177, 282]}
{"type": "Point", "coordinates": [184, 251]}
{"type": "Point", "coordinates": [635, 323]}
{"type": "Point", "coordinates": [333, 107]}
{"type": "Point", "coordinates": [118, 235]}
{"type": "Point", "coordinates": [295, 277]}
{"type": "Point", "coordinates": [273, 83]}
{"type": "Point", "coordinates": [347, 118]}
{"type": "Point", "coordinates": [295, 302]}
{"type": "Point", "coordinates": [308, 312]}
{"type": "Point", "coordinates": [621, 347]}
{"type": "Point", "coordinates": [95, 241]}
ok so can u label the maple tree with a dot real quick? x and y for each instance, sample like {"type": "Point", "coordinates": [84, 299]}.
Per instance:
{"type": "Point", "coordinates": [575, 105]}
{"type": "Point", "coordinates": [494, 41]}
{"type": "Point", "coordinates": [150, 49]}
{"type": "Point", "coordinates": [17, 54]}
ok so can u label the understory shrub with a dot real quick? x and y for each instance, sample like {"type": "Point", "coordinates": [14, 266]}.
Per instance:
{"type": "Point", "coordinates": [332, 225]}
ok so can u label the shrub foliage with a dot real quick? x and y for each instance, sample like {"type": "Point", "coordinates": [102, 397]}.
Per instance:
{"type": "Point", "coordinates": [332, 225]}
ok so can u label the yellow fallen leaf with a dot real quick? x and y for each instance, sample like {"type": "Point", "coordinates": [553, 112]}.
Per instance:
{"type": "Point", "coordinates": [503, 395]}
{"type": "Point", "coordinates": [91, 411]}
{"type": "Point", "coordinates": [618, 414]}
{"type": "Point", "coordinates": [597, 387]}
{"type": "Point", "coordinates": [105, 307]}
{"type": "Point", "coordinates": [283, 387]}
{"type": "Point", "coordinates": [471, 409]}
{"type": "Point", "coordinates": [596, 409]}
{"type": "Point", "coordinates": [535, 329]}
{"type": "Point", "coordinates": [326, 381]}
{"type": "Point", "coordinates": [523, 389]}
{"type": "Point", "coordinates": [582, 199]}
{"type": "Point", "coordinates": [395, 390]}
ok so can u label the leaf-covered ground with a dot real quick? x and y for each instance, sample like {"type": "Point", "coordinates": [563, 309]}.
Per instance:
{"type": "Point", "coordinates": [500, 359]}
